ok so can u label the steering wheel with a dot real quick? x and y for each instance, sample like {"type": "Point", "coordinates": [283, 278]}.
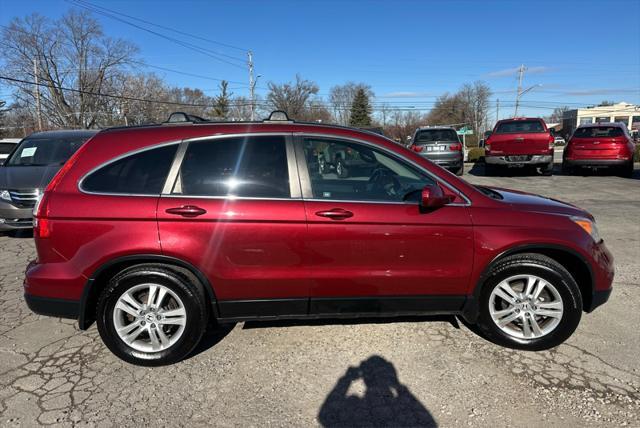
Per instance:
{"type": "Point", "coordinates": [384, 181]}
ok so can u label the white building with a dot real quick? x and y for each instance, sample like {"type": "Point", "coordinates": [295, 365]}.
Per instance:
{"type": "Point", "coordinates": [629, 114]}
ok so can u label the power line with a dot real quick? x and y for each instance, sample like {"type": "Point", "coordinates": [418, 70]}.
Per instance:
{"type": "Point", "coordinates": [184, 33]}
{"type": "Point", "coordinates": [191, 46]}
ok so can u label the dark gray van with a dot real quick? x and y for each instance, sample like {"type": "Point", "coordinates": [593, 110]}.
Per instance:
{"type": "Point", "coordinates": [28, 170]}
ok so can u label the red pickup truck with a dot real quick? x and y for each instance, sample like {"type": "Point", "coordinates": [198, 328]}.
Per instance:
{"type": "Point", "coordinates": [520, 142]}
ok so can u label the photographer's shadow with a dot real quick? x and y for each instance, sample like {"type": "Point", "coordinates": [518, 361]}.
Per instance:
{"type": "Point", "coordinates": [385, 402]}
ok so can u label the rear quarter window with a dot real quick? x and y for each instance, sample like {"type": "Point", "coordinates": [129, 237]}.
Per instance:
{"type": "Point", "coordinates": [142, 173]}
{"type": "Point", "coordinates": [520, 127]}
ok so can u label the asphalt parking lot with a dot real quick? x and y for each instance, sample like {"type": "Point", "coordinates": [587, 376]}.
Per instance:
{"type": "Point", "coordinates": [414, 372]}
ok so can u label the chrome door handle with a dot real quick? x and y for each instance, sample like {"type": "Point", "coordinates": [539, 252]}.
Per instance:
{"type": "Point", "coordinates": [335, 214]}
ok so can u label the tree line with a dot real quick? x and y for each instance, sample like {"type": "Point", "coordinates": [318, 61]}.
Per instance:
{"type": "Point", "coordinates": [87, 79]}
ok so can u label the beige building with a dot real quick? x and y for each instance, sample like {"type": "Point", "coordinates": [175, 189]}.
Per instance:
{"type": "Point", "coordinates": [629, 114]}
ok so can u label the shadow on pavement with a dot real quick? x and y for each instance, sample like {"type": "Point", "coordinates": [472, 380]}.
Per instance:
{"type": "Point", "coordinates": [384, 401]}
{"type": "Point", "coordinates": [18, 233]}
{"type": "Point", "coordinates": [212, 336]}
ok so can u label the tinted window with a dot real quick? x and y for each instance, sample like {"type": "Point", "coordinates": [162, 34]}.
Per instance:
{"type": "Point", "coordinates": [5, 148]}
{"type": "Point", "coordinates": [432, 135]}
{"type": "Point", "coordinates": [242, 166]}
{"type": "Point", "coordinates": [598, 132]}
{"type": "Point", "coordinates": [45, 151]}
{"type": "Point", "coordinates": [346, 171]}
{"type": "Point", "coordinates": [143, 173]}
{"type": "Point", "coordinates": [520, 126]}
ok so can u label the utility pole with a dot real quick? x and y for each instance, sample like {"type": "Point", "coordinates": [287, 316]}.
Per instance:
{"type": "Point", "coordinates": [497, 109]}
{"type": "Point", "coordinates": [520, 76]}
{"type": "Point", "coordinates": [252, 84]}
{"type": "Point", "coordinates": [38, 107]}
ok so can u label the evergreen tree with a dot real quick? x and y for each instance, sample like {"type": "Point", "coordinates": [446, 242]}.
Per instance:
{"type": "Point", "coordinates": [222, 101]}
{"type": "Point", "coordinates": [360, 109]}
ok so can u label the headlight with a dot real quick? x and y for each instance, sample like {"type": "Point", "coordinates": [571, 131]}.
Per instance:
{"type": "Point", "coordinates": [5, 196]}
{"type": "Point", "coordinates": [588, 226]}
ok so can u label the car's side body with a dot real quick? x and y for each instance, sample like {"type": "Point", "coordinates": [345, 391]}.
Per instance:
{"type": "Point", "coordinates": [285, 257]}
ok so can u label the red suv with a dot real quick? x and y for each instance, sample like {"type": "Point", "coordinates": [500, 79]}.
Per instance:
{"type": "Point", "coordinates": [600, 145]}
{"type": "Point", "coordinates": [520, 142]}
{"type": "Point", "coordinates": [154, 231]}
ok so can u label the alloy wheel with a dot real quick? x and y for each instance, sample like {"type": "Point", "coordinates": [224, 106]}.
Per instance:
{"type": "Point", "coordinates": [526, 306]}
{"type": "Point", "coordinates": [149, 317]}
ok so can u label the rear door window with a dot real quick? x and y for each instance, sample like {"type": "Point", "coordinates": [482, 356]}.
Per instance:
{"type": "Point", "coordinates": [5, 148]}
{"type": "Point", "coordinates": [520, 127]}
{"type": "Point", "coordinates": [235, 167]}
{"type": "Point", "coordinates": [143, 173]}
{"type": "Point", "coordinates": [599, 132]}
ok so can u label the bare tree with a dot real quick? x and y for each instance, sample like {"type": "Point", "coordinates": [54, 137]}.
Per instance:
{"type": "Point", "coordinates": [557, 114]}
{"type": "Point", "coordinates": [221, 101]}
{"type": "Point", "coordinates": [341, 98]}
{"type": "Point", "coordinates": [293, 98]}
{"type": "Point", "coordinates": [71, 52]}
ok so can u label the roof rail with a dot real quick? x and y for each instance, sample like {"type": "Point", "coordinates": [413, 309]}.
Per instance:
{"type": "Point", "coordinates": [182, 117]}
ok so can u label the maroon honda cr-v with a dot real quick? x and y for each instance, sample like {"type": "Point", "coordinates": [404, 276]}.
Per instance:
{"type": "Point", "coordinates": [153, 231]}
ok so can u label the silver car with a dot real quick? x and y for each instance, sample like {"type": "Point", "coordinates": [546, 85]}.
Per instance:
{"type": "Point", "coordinates": [441, 145]}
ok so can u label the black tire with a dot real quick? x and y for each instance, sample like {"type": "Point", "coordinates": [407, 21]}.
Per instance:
{"type": "Point", "coordinates": [547, 170]}
{"type": "Point", "coordinates": [192, 297]}
{"type": "Point", "coordinates": [460, 171]}
{"type": "Point", "coordinates": [566, 169]}
{"type": "Point", "coordinates": [627, 170]}
{"type": "Point", "coordinates": [552, 272]}
{"type": "Point", "coordinates": [341, 169]}
{"type": "Point", "coordinates": [322, 166]}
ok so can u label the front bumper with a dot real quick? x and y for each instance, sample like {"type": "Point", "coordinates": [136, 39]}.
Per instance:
{"type": "Point", "coordinates": [518, 160]}
{"type": "Point", "coordinates": [12, 217]}
{"type": "Point", "coordinates": [603, 272]}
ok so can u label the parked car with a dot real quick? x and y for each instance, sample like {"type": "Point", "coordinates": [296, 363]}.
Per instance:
{"type": "Point", "coordinates": [28, 170]}
{"type": "Point", "coordinates": [343, 161]}
{"type": "Point", "coordinates": [153, 231]}
{"type": "Point", "coordinates": [559, 141]}
{"type": "Point", "coordinates": [441, 145]}
{"type": "Point", "coordinates": [6, 147]}
{"type": "Point", "coordinates": [518, 143]}
{"type": "Point", "coordinates": [600, 145]}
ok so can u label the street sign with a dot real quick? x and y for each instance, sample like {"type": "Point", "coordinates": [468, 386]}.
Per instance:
{"type": "Point", "coordinates": [465, 131]}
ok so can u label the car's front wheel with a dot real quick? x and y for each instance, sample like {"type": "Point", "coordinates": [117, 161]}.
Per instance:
{"type": "Point", "coordinates": [151, 316]}
{"type": "Point", "coordinates": [529, 302]}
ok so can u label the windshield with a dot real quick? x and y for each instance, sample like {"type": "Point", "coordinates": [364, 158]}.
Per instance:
{"type": "Point", "coordinates": [431, 135]}
{"type": "Point", "coordinates": [45, 151]}
{"type": "Point", "coordinates": [520, 126]}
{"type": "Point", "coordinates": [598, 132]}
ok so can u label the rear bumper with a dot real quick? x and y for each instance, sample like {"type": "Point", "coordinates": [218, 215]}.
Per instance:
{"type": "Point", "coordinates": [445, 160]}
{"type": "Point", "coordinates": [53, 307]}
{"type": "Point", "coordinates": [508, 160]}
{"type": "Point", "coordinates": [596, 162]}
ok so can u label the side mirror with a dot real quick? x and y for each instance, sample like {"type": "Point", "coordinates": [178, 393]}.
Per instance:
{"type": "Point", "coordinates": [433, 197]}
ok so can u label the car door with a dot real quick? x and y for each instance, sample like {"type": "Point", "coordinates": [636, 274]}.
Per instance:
{"type": "Point", "coordinates": [233, 209]}
{"type": "Point", "coordinates": [371, 249]}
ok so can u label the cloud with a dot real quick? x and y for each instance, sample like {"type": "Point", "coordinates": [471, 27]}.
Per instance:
{"type": "Point", "coordinates": [513, 71]}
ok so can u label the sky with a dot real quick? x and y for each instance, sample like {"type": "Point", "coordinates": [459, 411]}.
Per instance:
{"type": "Point", "coordinates": [577, 53]}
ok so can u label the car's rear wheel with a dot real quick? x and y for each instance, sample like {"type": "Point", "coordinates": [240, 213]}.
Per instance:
{"type": "Point", "coordinates": [151, 316]}
{"type": "Point", "coordinates": [566, 169]}
{"type": "Point", "coordinates": [547, 169]}
{"type": "Point", "coordinates": [627, 170]}
{"type": "Point", "coordinates": [459, 171]}
{"type": "Point", "coordinates": [529, 302]}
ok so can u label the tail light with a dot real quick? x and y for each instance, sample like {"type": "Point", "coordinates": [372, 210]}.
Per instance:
{"type": "Point", "coordinates": [487, 147]}
{"type": "Point", "coordinates": [41, 224]}
{"type": "Point", "coordinates": [456, 147]}
{"type": "Point", "coordinates": [552, 140]}
{"type": "Point", "coordinates": [417, 148]}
